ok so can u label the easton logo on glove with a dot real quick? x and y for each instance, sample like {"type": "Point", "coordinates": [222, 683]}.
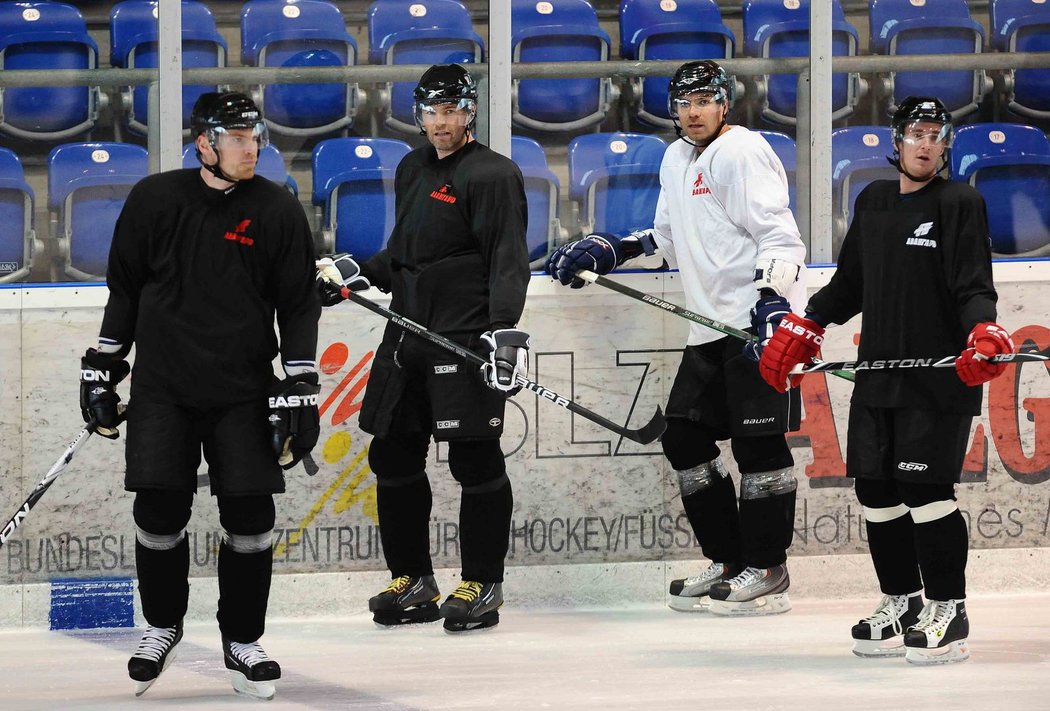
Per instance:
{"type": "Point", "coordinates": [800, 330]}
{"type": "Point", "coordinates": [285, 401]}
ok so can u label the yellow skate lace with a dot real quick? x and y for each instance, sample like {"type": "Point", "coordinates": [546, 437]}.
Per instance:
{"type": "Point", "coordinates": [398, 585]}
{"type": "Point", "coordinates": [467, 591]}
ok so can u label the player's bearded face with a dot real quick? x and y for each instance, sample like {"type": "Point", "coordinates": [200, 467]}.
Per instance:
{"type": "Point", "coordinates": [446, 125]}
{"type": "Point", "coordinates": [238, 150]}
{"type": "Point", "coordinates": [921, 147]}
{"type": "Point", "coordinates": [700, 115]}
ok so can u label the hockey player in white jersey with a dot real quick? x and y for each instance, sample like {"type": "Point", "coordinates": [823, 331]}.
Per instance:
{"type": "Point", "coordinates": [723, 219]}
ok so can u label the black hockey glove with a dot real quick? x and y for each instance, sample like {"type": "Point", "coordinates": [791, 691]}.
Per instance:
{"type": "Point", "coordinates": [294, 421]}
{"type": "Point", "coordinates": [335, 272]}
{"type": "Point", "coordinates": [99, 375]}
{"type": "Point", "coordinates": [508, 357]}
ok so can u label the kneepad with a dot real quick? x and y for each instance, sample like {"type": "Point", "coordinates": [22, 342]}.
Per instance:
{"type": "Point", "coordinates": [478, 465]}
{"type": "Point", "coordinates": [688, 444]}
{"type": "Point", "coordinates": [880, 499]}
{"type": "Point", "coordinates": [247, 515]}
{"type": "Point", "coordinates": [762, 485]}
{"type": "Point", "coordinates": [762, 454]}
{"type": "Point", "coordinates": [928, 502]}
{"type": "Point", "coordinates": [396, 458]}
{"type": "Point", "coordinates": [161, 517]}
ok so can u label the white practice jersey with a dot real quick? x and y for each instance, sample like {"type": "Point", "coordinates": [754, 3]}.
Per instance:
{"type": "Point", "coordinates": [719, 212]}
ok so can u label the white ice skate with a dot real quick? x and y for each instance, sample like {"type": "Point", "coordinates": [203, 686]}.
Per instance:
{"type": "Point", "coordinates": [881, 634]}
{"type": "Point", "coordinates": [939, 637]}
{"type": "Point", "coordinates": [156, 651]}
{"type": "Point", "coordinates": [755, 591]}
{"type": "Point", "coordinates": [692, 594]}
{"type": "Point", "coordinates": [252, 672]}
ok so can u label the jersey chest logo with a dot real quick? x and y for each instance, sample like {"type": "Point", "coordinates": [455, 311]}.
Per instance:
{"type": "Point", "coordinates": [698, 185]}
{"type": "Point", "coordinates": [238, 234]}
{"type": "Point", "coordinates": [444, 194]}
{"type": "Point", "coordinates": [920, 239]}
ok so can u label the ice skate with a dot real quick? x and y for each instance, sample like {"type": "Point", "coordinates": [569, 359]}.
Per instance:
{"type": "Point", "coordinates": [252, 672]}
{"type": "Point", "coordinates": [155, 652]}
{"type": "Point", "coordinates": [692, 594]}
{"type": "Point", "coordinates": [940, 634]}
{"type": "Point", "coordinates": [406, 600]}
{"type": "Point", "coordinates": [755, 591]}
{"type": "Point", "coordinates": [881, 634]}
{"type": "Point", "coordinates": [472, 606]}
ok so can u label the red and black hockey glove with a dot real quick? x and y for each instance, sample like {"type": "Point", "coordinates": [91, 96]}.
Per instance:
{"type": "Point", "coordinates": [796, 340]}
{"type": "Point", "coordinates": [985, 340]}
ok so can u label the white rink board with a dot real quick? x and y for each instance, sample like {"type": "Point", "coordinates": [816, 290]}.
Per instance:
{"type": "Point", "coordinates": [582, 495]}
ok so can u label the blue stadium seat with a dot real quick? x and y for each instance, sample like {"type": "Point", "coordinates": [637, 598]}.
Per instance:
{"type": "Point", "coordinates": [858, 157]}
{"type": "Point", "coordinates": [542, 190]}
{"type": "Point", "coordinates": [1009, 164]}
{"type": "Point", "coordinates": [354, 178]}
{"type": "Point", "coordinates": [307, 33]}
{"type": "Point", "coordinates": [133, 44]}
{"type": "Point", "coordinates": [1023, 26]}
{"type": "Point", "coordinates": [418, 32]}
{"type": "Point", "coordinates": [784, 146]}
{"type": "Point", "coordinates": [775, 28]}
{"type": "Point", "coordinates": [87, 184]}
{"type": "Point", "coordinates": [558, 31]}
{"type": "Point", "coordinates": [904, 27]}
{"type": "Point", "coordinates": [16, 219]}
{"type": "Point", "coordinates": [614, 178]}
{"type": "Point", "coordinates": [270, 166]}
{"type": "Point", "coordinates": [46, 35]}
{"type": "Point", "coordinates": [657, 29]}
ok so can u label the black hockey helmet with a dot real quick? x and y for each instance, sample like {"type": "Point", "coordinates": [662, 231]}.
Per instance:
{"type": "Point", "coordinates": [920, 108]}
{"type": "Point", "coordinates": [446, 84]}
{"type": "Point", "coordinates": [216, 112]}
{"type": "Point", "coordinates": [705, 75]}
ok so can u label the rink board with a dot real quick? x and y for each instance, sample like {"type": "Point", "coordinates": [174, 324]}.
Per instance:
{"type": "Point", "coordinates": [583, 495]}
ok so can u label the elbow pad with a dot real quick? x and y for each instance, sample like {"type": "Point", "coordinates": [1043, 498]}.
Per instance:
{"type": "Point", "coordinates": [636, 247]}
{"type": "Point", "coordinates": [776, 274]}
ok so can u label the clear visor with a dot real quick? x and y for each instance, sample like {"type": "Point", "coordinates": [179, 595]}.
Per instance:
{"type": "Point", "coordinates": [919, 133]}
{"type": "Point", "coordinates": [239, 138]}
{"type": "Point", "coordinates": [699, 100]}
{"type": "Point", "coordinates": [455, 113]}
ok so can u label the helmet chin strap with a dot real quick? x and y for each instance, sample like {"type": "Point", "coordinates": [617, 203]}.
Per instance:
{"type": "Point", "coordinates": [708, 142]}
{"type": "Point", "coordinates": [896, 162]}
{"type": "Point", "coordinates": [215, 169]}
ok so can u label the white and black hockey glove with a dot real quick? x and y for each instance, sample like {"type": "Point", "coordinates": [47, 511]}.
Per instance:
{"type": "Point", "coordinates": [508, 357]}
{"type": "Point", "coordinates": [295, 423]}
{"type": "Point", "coordinates": [336, 272]}
{"type": "Point", "coordinates": [99, 403]}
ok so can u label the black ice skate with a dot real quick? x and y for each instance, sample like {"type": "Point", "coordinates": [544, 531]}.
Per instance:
{"type": "Point", "coordinates": [252, 672]}
{"type": "Point", "coordinates": [940, 634]}
{"type": "Point", "coordinates": [691, 594]}
{"type": "Point", "coordinates": [406, 600]}
{"type": "Point", "coordinates": [755, 591]}
{"type": "Point", "coordinates": [472, 606]}
{"type": "Point", "coordinates": [155, 652]}
{"type": "Point", "coordinates": [881, 634]}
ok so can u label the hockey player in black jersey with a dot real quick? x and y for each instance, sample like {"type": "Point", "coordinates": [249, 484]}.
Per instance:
{"type": "Point", "coordinates": [916, 262]}
{"type": "Point", "coordinates": [456, 263]}
{"type": "Point", "coordinates": [202, 261]}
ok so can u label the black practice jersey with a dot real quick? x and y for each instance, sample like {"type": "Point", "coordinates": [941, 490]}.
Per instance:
{"type": "Point", "coordinates": [196, 276]}
{"type": "Point", "coordinates": [919, 267]}
{"type": "Point", "coordinates": [457, 260]}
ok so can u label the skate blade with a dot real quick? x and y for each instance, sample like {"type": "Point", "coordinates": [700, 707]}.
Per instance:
{"type": "Point", "coordinates": [258, 689]}
{"type": "Point", "coordinates": [762, 605]}
{"type": "Point", "coordinates": [876, 648]}
{"type": "Point", "coordinates": [422, 614]}
{"type": "Point", "coordinates": [957, 651]}
{"type": "Point", "coordinates": [682, 603]}
{"type": "Point", "coordinates": [456, 626]}
{"type": "Point", "coordinates": [142, 686]}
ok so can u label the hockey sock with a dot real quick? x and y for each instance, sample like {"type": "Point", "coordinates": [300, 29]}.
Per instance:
{"type": "Point", "coordinates": [942, 552]}
{"type": "Point", "coordinates": [712, 512]}
{"type": "Point", "coordinates": [484, 528]}
{"type": "Point", "coordinates": [404, 523]}
{"type": "Point", "coordinates": [892, 547]}
{"type": "Point", "coordinates": [163, 582]}
{"type": "Point", "coordinates": [244, 590]}
{"type": "Point", "coordinates": [767, 525]}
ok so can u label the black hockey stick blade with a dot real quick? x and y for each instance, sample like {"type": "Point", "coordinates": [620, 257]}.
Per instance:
{"type": "Point", "coordinates": [644, 435]}
{"type": "Point", "coordinates": [688, 315]}
{"type": "Point", "coordinates": [309, 464]}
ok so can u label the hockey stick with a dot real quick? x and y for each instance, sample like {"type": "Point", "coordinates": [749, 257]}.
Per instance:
{"type": "Point", "coordinates": [898, 363]}
{"type": "Point", "coordinates": [646, 434]}
{"type": "Point", "coordinates": [688, 315]}
{"type": "Point", "coordinates": [46, 482]}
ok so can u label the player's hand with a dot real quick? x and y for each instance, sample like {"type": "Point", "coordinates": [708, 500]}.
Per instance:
{"type": "Point", "coordinates": [796, 340]}
{"type": "Point", "coordinates": [985, 340]}
{"type": "Point", "coordinates": [765, 317]}
{"type": "Point", "coordinates": [336, 272]}
{"type": "Point", "coordinates": [508, 357]}
{"type": "Point", "coordinates": [99, 403]}
{"type": "Point", "coordinates": [295, 423]}
{"type": "Point", "coordinates": [598, 252]}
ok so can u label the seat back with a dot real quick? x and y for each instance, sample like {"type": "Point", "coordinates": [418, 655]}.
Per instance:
{"type": "Point", "coordinates": [308, 33]}
{"type": "Point", "coordinates": [46, 35]}
{"type": "Point", "coordinates": [1009, 164]}
{"type": "Point", "coordinates": [656, 29]}
{"type": "Point", "coordinates": [87, 184]}
{"type": "Point", "coordinates": [354, 177]}
{"type": "Point", "coordinates": [858, 157]}
{"type": "Point", "coordinates": [945, 27]}
{"type": "Point", "coordinates": [784, 146]}
{"type": "Point", "coordinates": [775, 28]}
{"type": "Point", "coordinates": [133, 31]}
{"type": "Point", "coordinates": [615, 179]}
{"type": "Point", "coordinates": [1023, 26]}
{"type": "Point", "coordinates": [270, 166]}
{"type": "Point", "coordinates": [16, 219]}
{"type": "Point", "coordinates": [558, 31]}
{"type": "Point", "coordinates": [414, 32]}
{"type": "Point", "coordinates": [542, 190]}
